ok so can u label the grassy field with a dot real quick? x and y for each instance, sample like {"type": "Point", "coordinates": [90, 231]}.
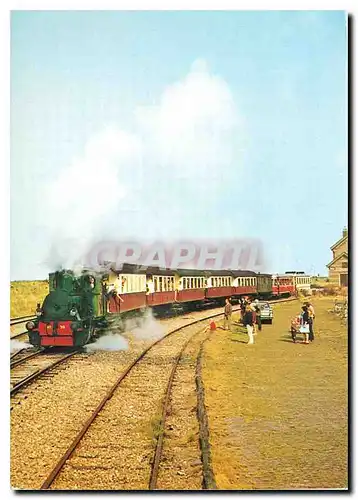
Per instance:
{"type": "Point", "coordinates": [278, 411]}
{"type": "Point", "coordinates": [24, 295]}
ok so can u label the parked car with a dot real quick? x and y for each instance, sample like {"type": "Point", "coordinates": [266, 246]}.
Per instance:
{"type": "Point", "coordinates": [266, 312]}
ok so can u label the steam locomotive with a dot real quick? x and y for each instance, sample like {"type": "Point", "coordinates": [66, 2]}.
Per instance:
{"type": "Point", "coordinates": [79, 306]}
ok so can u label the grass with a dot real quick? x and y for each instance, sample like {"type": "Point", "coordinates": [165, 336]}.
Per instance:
{"type": "Point", "coordinates": [278, 410]}
{"type": "Point", "coordinates": [24, 296]}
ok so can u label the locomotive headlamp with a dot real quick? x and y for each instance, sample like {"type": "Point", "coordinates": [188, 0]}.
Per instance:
{"type": "Point", "coordinates": [30, 325]}
{"type": "Point", "coordinates": [73, 311]}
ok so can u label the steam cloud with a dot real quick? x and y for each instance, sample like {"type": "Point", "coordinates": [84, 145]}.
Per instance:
{"type": "Point", "coordinates": [16, 345]}
{"type": "Point", "coordinates": [146, 183]}
{"type": "Point", "coordinates": [148, 328]}
{"type": "Point", "coordinates": [109, 342]}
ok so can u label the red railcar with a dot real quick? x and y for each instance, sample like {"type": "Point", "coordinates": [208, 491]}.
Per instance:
{"type": "Point", "coordinates": [283, 285]}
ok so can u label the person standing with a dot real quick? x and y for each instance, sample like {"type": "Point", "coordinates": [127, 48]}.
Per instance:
{"type": "Point", "coordinates": [242, 308]}
{"type": "Point", "coordinates": [304, 322]}
{"type": "Point", "coordinates": [258, 314]}
{"type": "Point", "coordinates": [227, 314]}
{"type": "Point", "coordinates": [248, 321]}
{"type": "Point", "coordinates": [311, 317]}
{"type": "Point", "coordinates": [252, 308]}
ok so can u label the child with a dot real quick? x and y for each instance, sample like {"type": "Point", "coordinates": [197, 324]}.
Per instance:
{"type": "Point", "coordinates": [295, 327]}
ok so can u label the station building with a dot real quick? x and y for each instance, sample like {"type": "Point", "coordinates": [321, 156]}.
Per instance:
{"type": "Point", "coordinates": [338, 267]}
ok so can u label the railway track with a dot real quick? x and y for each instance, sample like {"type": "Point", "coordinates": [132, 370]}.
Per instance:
{"type": "Point", "coordinates": [167, 448]}
{"type": "Point", "coordinates": [17, 336]}
{"type": "Point", "coordinates": [21, 319]}
{"type": "Point", "coordinates": [14, 325]}
{"type": "Point", "coordinates": [108, 439]}
{"type": "Point", "coordinates": [29, 367]}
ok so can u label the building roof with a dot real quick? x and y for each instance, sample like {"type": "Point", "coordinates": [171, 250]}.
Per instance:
{"type": "Point", "coordinates": [339, 242]}
{"type": "Point", "coordinates": [344, 254]}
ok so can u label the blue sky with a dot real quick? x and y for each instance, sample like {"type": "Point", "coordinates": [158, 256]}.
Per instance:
{"type": "Point", "coordinates": [178, 124]}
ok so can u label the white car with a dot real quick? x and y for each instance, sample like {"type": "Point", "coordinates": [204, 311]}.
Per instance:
{"type": "Point", "coordinates": [266, 312]}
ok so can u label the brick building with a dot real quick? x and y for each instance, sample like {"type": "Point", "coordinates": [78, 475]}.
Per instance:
{"type": "Point", "coordinates": [338, 267]}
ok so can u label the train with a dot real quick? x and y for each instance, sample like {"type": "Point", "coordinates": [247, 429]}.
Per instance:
{"type": "Point", "coordinates": [78, 306]}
